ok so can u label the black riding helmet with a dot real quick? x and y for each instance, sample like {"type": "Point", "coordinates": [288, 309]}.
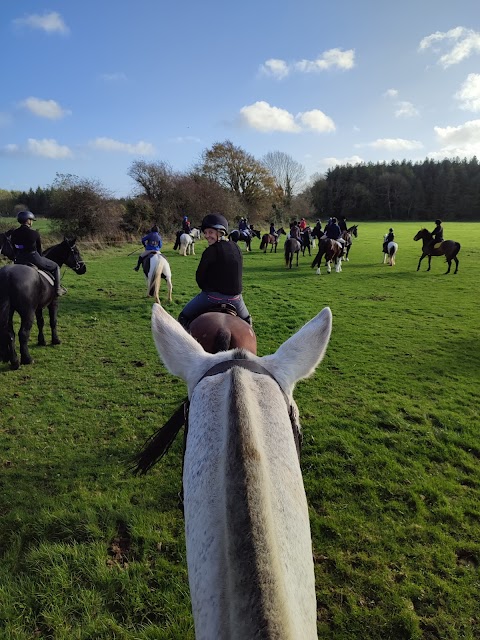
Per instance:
{"type": "Point", "coordinates": [215, 221]}
{"type": "Point", "coordinates": [438, 222]}
{"type": "Point", "coordinates": [23, 216]}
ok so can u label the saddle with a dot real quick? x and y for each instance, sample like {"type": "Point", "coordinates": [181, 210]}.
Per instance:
{"type": "Point", "coordinates": [45, 274]}
{"type": "Point", "coordinates": [223, 307]}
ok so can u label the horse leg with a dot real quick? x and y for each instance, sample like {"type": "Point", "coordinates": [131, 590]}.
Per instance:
{"type": "Point", "coordinates": [40, 324]}
{"type": "Point", "coordinates": [338, 264]}
{"type": "Point", "coordinates": [24, 336]}
{"type": "Point", "coordinates": [52, 312]}
{"type": "Point", "coordinates": [456, 264]}
{"type": "Point", "coordinates": [429, 262]}
{"type": "Point", "coordinates": [420, 261]}
{"type": "Point", "coordinates": [298, 253]}
{"type": "Point", "coordinates": [329, 267]}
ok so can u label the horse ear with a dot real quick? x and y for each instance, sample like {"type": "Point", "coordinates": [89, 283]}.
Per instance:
{"type": "Point", "coordinates": [180, 353]}
{"type": "Point", "coordinates": [300, 355]}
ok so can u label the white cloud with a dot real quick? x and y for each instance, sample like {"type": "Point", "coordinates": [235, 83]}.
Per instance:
{"type": "Point", "coordinates": [391, 93]}
{"type": "Point", "coordinates": [118, 76]}
{"type": "Point", "coordinates": [49, 22]}
{"type": "Point", "coordinates": [405, 110]}
{"type": "Point", "coordinates": [393, 144]}
{"type": "Point", "coordinates": [333, 162]}
{"type": "Point", "coordinates": [108, 144]}
{"type": "Point", "coordinates": [462, 42]}
{"type": "Point", "coordinates": [48, 148]}
{"type": "Point", "coordinates": [462, 141]}
{"type": "Point", "coordinates": [186, 139]}
{"type": "Point", "coordinates": [45, 108]}
{"type": "Point", "coordinates": [333, 58]}
{"type": "Point", "coordinates": [263, 117]}
{"type": "Point", "coordinates": [469, 93]}
{"type": "Point", "coordinates": [273, 67]}
{"type": "Point", "coordinates": [316, 120]}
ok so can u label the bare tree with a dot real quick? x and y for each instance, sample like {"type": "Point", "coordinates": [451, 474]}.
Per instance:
{"type": "Point", "coordinates": [287, 173]}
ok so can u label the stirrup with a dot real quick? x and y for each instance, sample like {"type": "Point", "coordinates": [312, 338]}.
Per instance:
{"type": "Point", "coordinates": [61, 290]}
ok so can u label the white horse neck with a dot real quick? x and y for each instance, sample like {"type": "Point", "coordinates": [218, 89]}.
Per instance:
{"type": "Point", "coordinates": [248, 535]}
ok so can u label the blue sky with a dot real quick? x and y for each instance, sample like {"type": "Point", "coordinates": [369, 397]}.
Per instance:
{"type": "Point", "coordinates": [89, 87]}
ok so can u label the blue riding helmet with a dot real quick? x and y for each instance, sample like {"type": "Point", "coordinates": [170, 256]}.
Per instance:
{"type": "Point", "coordinates": [23, 216]}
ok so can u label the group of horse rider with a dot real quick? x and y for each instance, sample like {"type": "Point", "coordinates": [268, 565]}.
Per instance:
{"type": "Point", "coordinates": [437, 236]}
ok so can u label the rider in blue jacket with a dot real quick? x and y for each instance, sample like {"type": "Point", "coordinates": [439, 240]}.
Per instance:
{"type": "Point", "coordinates": [151, 242]}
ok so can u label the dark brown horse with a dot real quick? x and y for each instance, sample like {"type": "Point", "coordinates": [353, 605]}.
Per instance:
{"type": "Point", "coordinates": [292, 247]}
{"type": "Point", "coordinates": [447, 248]}
{"type": "Point", "coordinates": [269, 238]}
{"type": "Point", "coordinates": [222, 331]}
{"type": "Point", "coordinates": [333, 251]}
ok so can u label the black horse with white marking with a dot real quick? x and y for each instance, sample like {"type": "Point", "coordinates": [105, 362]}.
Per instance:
{"type": "Point", "coordinates": [26, 290]}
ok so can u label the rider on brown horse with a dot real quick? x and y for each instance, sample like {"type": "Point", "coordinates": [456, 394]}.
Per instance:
{"type": "Point", "coordinates": [437, 233]}
{"type": "Point", "coordinates": [219, 274]}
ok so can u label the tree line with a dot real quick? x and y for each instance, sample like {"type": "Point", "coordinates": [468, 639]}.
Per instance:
{"type": "Point", "coordinates": [273, 189]}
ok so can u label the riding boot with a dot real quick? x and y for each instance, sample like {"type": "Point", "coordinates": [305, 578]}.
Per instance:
{"type": "Point", "coordinates": [139, 264]}
{"type": "Point", "coordinates": [59, 290]}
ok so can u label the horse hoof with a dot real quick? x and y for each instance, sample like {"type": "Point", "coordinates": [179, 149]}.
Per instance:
{"type": "Point", "coordinates": [42, 343]}
{"type": "Point", "coordinates": [56, 341]}
{"type": "Point", "coordinates": [15, 365]}
{"type": "Point", "coordinates": [26, 361]}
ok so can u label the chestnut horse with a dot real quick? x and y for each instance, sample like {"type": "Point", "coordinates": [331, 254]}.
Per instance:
{"type": "Point", "coordinates": [223, 331]}
{"type": "Point", "coordinates": [447, 248]}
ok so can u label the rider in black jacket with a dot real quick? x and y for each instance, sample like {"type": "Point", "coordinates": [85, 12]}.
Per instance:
{"type": "Point", "coordinates": [28, 249]}
{"type": "Point", "coordinates": [219, 273]}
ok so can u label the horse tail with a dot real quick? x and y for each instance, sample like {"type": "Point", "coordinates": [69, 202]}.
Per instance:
{"type": "Point", "coordinates": [457, 249]}
{"type": "Point", "coordinates": [287, 252]}
{"type": "Point", "coordinates": [223, 339]}
{"type": "Point", "coordinates": [162, 269]}
{"type": "Point", "coordinates": [263, 243]}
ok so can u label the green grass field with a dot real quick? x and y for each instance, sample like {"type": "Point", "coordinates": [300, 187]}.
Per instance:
{"type": "Point", "coordinates": [391, 456]}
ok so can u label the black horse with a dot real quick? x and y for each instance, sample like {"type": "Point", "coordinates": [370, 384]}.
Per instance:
{"type": "Point", "coordinates": [292, 247]}
{"type": "Point", "coordinates": [447, 248]}
{"type": "Point", "coordinates": [6, 248]}
{"type": "Point", "coordinates": [306, 236]}
{"type": "Point", "coordinates": [241, 236]}
{"type": "Point", "coordinates": [347, 236]}
{"type": "Point", "coordinates": [25, 290]}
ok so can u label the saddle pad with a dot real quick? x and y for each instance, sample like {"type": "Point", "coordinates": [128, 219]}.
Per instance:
{"type": "Point", "coordinates": [47, 277]}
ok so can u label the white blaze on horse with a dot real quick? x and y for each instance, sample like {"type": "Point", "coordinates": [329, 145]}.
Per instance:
{"type": "Point", "coordinates": [249, 550]}
{"type": "Point", "coordinates": [392, 248]}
